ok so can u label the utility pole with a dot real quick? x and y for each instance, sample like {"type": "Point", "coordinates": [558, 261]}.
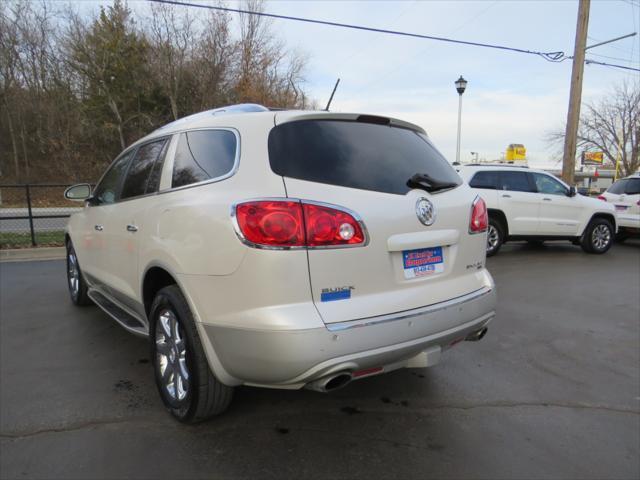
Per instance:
{"type": "Point", "coordinates": [575, 95]}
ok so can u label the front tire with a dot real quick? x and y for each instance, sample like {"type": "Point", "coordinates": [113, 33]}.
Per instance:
{"type": "Point", "coordinates": [186, 384]}
{"type": "Point", "coordinates": [598, 236]}
{"type": "Point", "coordinates": [75, 279]}
{"type": "Point", "coordinates": [495, 236]}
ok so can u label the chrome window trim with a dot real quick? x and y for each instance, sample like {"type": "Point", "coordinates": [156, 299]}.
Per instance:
{"type": "Point", "coordinates": [231, 173]}
{"type": "Point", "coordinates": [243, 239]}
{"type": "Point", "coordinates": [393, 317]}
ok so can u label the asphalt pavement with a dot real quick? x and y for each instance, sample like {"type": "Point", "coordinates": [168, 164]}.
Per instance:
{"type": "Point", "coordinates": [552, 391]}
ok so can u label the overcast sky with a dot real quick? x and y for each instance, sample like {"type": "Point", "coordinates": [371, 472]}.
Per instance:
{"type": "Point", "coordinates": [511, 97]}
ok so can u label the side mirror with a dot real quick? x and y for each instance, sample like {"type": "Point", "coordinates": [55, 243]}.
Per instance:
{"type": "Point", "coordinates": [78, 193]}
{"type": "Point", "coordinates": [572, 191]}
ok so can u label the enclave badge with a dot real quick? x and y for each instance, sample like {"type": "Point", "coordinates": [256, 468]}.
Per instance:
{"type": "Point", "coordinates": [425, 211]}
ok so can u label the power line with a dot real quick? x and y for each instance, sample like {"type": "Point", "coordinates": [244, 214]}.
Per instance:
{"type": "Point", "coordinates": [594, 62]}
{"type": "Point", "coordinates": [549, 56]}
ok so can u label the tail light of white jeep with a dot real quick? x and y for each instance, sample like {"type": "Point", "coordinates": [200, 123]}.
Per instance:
{"type": "Point", "coordinates": [602, 197]}
{"type": "Point", "coordinates": [479, 216]}
{"type": "Point", "coordinates": [283, 224]}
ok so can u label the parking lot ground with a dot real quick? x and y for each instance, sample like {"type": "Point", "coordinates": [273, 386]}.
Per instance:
{"type": "Point", "coordinates": [552, 391]}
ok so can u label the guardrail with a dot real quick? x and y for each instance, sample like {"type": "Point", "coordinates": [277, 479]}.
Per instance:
{"type": "Point", "coordinates": [33, 214]}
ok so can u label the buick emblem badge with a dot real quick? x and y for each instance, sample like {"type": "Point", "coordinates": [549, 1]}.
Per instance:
{"type": "Point", "coordinates": [425, 211]}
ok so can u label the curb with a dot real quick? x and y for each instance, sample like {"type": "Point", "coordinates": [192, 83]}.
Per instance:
{"type": "Point", "coordinates": [30, 254]}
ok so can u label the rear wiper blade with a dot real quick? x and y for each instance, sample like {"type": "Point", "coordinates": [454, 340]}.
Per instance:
{"type": "Point", "coordinates": [428, 183]}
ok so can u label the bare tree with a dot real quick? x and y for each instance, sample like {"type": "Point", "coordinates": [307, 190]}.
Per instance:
{"type": "Point", "coordinates": [172, 36]}
{"type": "Point", "coordinates": [611, 126]}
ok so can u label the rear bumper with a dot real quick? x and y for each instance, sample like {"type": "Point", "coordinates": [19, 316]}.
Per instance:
{"type": "Point", "coordinates": [292, 358]}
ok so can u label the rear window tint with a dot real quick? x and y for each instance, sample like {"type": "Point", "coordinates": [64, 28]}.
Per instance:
{"type": "Point", "coordinates": [353, 154]}
{"type": "Point", "coordinates": [618, 187]}
{"type": "Point", "coordinates": [485, 180]}
{"type": "Point", "coordinates": [203, 155]}
{"type": "Point", "coordinates": [633, 186]}
{"type": "Point", "coordinates": [516, 181]}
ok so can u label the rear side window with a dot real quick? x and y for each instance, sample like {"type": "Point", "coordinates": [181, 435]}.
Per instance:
{"type": "Point", "coordinates": [485, 180]}
{"type": "Point", "coordinates": [144, 173]}
{"type": "Point", "coordinates": [516, 181]}
{"type": "Point", "coordinates": [633, 186]}
{"type": "Point", "coordinates": [618, 187]}
{"type": "Point", "coordinates": [354, 154]}
{"type": "Point", "coordinates": [203, 155]}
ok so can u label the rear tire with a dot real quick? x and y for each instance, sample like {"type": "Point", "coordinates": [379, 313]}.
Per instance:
{"type": "Point", "coordinates": [495, 236]}
{"type": "Point", "coordinates": [75, 279]}
{"type": "Point", "coordinates": [598, 236]}
{"type": "Point", "coordinates": [186, 384]}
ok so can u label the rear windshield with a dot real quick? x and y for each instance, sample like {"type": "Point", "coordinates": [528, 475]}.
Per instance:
{"type": "Point", "coordinates": [354, 154]}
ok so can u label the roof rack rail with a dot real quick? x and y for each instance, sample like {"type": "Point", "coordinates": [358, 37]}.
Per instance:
{"type": "Point", "coordinates": [227, 110]}
{"type": "Point", "coordinates": [510, 165]}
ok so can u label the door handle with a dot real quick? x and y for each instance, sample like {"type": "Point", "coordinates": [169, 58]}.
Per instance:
{"type": "Point", "coordinates": [546, 199]}
{"type": "Point", "coordinates": [98, 227]}
{"type": "Point", "coordinates": [132, 228]}
{"type": "Point", "coordinates": [506, 196]}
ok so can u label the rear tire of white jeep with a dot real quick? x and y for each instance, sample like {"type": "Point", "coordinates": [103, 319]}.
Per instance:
{"type": "Point", "coordinates": [598, 236]}
{"type": "Point", "coordinates": [495, 236]}
{"type": "Point", "coordinates": [186, 384]}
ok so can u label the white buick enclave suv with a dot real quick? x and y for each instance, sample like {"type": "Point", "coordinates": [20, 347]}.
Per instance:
{"type": "Point", "coordinates": [282, 249]}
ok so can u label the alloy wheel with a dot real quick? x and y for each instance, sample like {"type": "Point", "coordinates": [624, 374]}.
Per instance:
{"type": "Point", "coordinates": [171, 355]}
{"type": "Point", "coordinates": [601, 236]}
{"type": "Point", "coordinates": [493, 238]}
{"type": "Point", "coordinates": [73, 273]}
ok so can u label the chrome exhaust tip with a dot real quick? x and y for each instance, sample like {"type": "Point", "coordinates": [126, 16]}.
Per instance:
{"type": "Point", "coordinates": [330, 382]}
{"type": "Point", "coordinates": [477, 335]}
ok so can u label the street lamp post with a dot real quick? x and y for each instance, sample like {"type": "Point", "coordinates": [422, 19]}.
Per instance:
{"type": "Point", "coordinates": [461, 85]}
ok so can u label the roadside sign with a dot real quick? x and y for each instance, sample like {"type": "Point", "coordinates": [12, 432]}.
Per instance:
{"type": "Point", "coordinates": [592, 158]}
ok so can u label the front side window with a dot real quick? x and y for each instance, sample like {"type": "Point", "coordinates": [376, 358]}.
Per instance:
{"type": "Point", "coordinates": [485, 180]}
{"type": "Point", "coordinates": [549, 185]}
{"type": "Point", "coordinates": [144, 173]}
{"type": "Point", "coordinates": [203, 155]}
{"type": "Point", "coordinates": [618, 187]}
{"type": "Point", "coordinates": [356, 154]}
{"type": "Point", "coordinates": [633, 186]}
{"type": "Point", "coordinates": [107, 190]}
{"type": "Point", "coordinates": [515, 181]}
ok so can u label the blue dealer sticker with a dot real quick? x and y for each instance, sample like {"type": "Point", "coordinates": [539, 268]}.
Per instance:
{"type": "Point", "coordinates": [332, 294]}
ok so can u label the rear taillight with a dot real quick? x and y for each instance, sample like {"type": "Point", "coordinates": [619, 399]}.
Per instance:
{"type": "Point", "coordinates": [601, 197]}
{"type": "Point", "coordinates": [479, 216]}
{"type": "Point", "coordinates": [297, 224]}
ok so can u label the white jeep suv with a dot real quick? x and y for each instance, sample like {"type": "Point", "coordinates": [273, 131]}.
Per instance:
{"type": "Point", "coordinates": [533, 205]}
{"type": "Point", "coordinates": [282, 249]}
{"type": "Point", "coordinates": [625, 197]}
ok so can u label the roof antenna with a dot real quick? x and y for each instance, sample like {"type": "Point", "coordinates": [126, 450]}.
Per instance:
{"type": "Point", "coordinates": [332, 94]}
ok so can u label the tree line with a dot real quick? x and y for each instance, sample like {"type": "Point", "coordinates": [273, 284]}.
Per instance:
{"type": "Point", "coordinates": [76, 89]}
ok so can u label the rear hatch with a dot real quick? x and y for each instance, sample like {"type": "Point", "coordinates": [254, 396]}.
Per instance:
{"type": "Point", "coordinates": [363, 163]}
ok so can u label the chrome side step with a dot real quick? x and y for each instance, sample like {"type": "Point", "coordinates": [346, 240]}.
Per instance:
{"type": "Point", "coordinates": [127, 320]}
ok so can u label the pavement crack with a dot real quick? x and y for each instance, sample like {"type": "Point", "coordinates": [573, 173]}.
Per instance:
{"type": "Point", "coordinates": [579, 406]}
{"type": "Point", "coordinates": [70, 428]}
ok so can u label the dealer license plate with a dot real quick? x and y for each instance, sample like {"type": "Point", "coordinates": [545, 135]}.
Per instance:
{"type": "Point", "coordinates": [422, 262]}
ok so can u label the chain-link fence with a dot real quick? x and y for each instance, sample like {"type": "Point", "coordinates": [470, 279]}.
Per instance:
{"type": "Point", "coordinates": [34, 215]}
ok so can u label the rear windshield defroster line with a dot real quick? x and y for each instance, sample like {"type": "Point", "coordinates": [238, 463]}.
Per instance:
{"type": "Point", "coordinates": [365, 156]}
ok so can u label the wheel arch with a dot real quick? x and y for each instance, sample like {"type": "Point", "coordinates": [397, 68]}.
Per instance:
{"type": "Point", "coordinates": [157, 276]}
{"type": "Point", "coordinates": [501, 217]}
{"type": "Point", "coordinates": [610, 217]}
